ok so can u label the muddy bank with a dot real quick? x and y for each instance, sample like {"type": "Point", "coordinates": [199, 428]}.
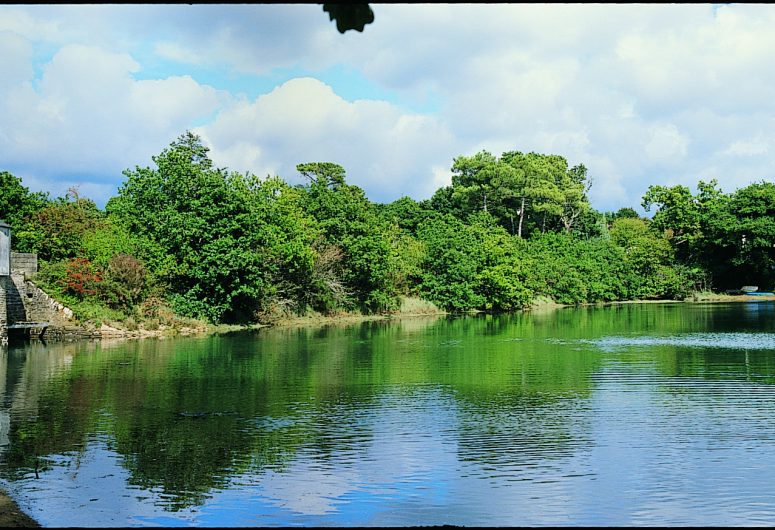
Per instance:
{"type": "Point", "coordinates": [11, 515]}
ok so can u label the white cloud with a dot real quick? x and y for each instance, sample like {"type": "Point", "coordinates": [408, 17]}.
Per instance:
{"type": "Point", "coordinates": [88, 119]}
{"type": "Point", "coordinates": [753, 147]}
{"type": "Point", "coordinates": [17, 53]}
{"type": "Point", "coordinates": [175, 52]}
{"type": "Point", "coordinates": [666, 143]}
{"type": "Point", "coordinates": [384, 150]}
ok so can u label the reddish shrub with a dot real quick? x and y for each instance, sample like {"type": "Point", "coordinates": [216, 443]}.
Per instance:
{"type": "Point", "coordinates": [81, 277]}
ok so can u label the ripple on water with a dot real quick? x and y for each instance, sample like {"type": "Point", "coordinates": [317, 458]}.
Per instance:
{"type": "Point", "coordinates": [737, 341]}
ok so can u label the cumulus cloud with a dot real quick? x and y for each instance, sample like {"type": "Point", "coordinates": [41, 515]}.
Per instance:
{"type": "Point", "coordinates": [87, 118]}
{"type": "Point", "coordinates": [384, 150]}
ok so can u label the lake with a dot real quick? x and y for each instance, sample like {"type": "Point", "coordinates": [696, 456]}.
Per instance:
{"type": "Point", "coordinates": [632, 414]}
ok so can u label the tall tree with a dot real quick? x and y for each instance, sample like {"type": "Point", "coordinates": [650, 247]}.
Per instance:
{"type": "Point", "coordinates": [472, 180]}
{"type": "Point", "coordinates": [202, 228]}
{"type": "Point", "coordinates": [573, 185]}
{"type": "Point", "coordinates": [356, 242]}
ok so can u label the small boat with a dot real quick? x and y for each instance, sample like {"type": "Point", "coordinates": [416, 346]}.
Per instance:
{"type": "Point", "coordinates": [749, 290]}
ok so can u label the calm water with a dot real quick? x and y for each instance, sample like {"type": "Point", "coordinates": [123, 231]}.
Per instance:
{"type": "Point", "coordinates": [653, 414]}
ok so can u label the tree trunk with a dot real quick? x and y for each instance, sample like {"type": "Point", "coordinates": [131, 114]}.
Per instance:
{"type": "Point", "coordinates": [521, 217]}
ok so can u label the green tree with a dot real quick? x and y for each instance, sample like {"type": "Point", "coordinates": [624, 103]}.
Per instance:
{"type": "Point", "coordinates": [17, 207]}
{"type": "Point", "coordinates": [357, 250]}
{"type": "Point", "coordinates": [677, 215]}
{"type": "Point", "coordinates": [516, 187]}
{"type": "Point", "coordinates": [648, 260]}
{"type": "Point", "coordinates": [57, 231]}
{"type": "Point", "coordinates": [574, 186]}
{"type": "Point", "coordinates": [407, 213]}
{"type": "Point", "coordinates": [203, 230]}
{"type": "Point", "coordinates": [449, 273]}
{"type": "Point", "coordinates": [472, 180]}
{"type": "Point", "coordinates": [740, 236]}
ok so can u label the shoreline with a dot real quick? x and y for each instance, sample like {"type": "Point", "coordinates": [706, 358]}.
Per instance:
{"type": "Point", "coordinates": [11, 516]}
{"type": "Point", "coordinates": [542, 304]}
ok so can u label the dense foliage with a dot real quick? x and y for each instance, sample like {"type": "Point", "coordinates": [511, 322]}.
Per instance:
{"type": "Point", "coordinates": [224, 246]}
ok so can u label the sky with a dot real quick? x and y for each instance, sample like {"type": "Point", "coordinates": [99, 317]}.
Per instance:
{"type": "Point", "coordinates": [640, 94]}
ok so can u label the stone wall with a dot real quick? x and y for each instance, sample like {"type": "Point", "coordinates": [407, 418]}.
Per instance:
{"type": "Point", "coordinates": [66, 333]}
{"type": "Point", "coordinates": [24, 263]}
{"type": "Point", "coordinates": [27, 302]}
{"type": "Point", "coordinates": [14, 304]}
{"type": "Point", "coordinates": [22, 301]}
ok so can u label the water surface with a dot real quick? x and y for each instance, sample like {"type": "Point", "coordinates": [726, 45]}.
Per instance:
{"type": "Point", "coordinates": [636, 414]}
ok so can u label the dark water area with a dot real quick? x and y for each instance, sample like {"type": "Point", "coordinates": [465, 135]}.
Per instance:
{"type": "Point", "coordinates": [635, 414]}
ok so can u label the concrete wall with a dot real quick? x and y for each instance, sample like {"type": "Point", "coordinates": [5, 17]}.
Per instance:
{"type": "Point", "coordinates": [3, 312]}
{"type": "Point", "coordinates": [24, 263]}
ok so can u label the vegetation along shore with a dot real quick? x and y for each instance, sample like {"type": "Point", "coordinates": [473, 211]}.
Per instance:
{"type": "Point", "coordinates": [185, 246]}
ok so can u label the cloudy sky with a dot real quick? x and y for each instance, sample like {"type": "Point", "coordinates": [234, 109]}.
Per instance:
{"type": "Point", "coordinates": [640, 94]}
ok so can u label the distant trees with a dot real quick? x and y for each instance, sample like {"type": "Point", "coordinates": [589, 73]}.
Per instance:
{"type": "Point", "coordinates": [518, 189]}
{"type": "Point", "coordinates": [731, 236]}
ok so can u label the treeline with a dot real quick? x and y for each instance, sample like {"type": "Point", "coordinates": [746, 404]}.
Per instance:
{"type": "Point", "coordinates": [192, 239]}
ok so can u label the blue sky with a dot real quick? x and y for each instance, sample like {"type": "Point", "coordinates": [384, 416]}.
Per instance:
{"type": "Point", "coordinates": [640, 94]}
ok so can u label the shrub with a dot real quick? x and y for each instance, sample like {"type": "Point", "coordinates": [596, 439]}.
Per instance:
{"type": "Point", "coordinates": [81, 278]}
{"type": "Point", "coordinates": [124, 284]}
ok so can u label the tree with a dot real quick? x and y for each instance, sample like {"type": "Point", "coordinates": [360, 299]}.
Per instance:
{"type": "Point", "coordinates": [648, 260]}
{"type": "Point", "coordinates": [740, 236]}
{"type": "Point", "coordinates": [449, 273]}
{"type": "Point", "coordinates": [573, 185]}
{"type": "Point", "coordinates": [472, 180]}
{"type": "Point", "coordinates": [677, 214]}
{"type": "Point", "coordinates": [203, 231]}
{"type": "Point", "coordinates": [516, 186]}
{"type": "Point", "coordinates": [57, 231]}
{"type": "Point", "coordinates": [17, 207]}
{"type": "Point", "coordinates": [349, 222]}
{"type": "Point", "coordinates": [406, 213]}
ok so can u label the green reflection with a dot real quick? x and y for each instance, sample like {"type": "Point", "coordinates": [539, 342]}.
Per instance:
{"type": "Point", "coordinates": [188, 415]}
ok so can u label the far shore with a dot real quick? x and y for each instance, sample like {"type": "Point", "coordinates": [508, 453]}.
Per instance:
{"type": "Point", "coordinates": [541, 305]}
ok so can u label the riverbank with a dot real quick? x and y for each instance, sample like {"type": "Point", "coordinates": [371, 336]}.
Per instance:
{"type": "Point", "coordinates": [410, 307]}
{"type": "Point", "coordinates": [11, 516]}
{"type": "Point", "coordinates": [718, 297]}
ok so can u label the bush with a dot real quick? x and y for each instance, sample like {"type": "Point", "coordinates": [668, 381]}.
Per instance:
{"type": "Point", "coordinates": [124, 283]}
{"type": "Point", "coordinates": [81, 278]}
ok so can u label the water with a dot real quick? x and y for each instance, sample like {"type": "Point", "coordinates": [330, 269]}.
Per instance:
{"type": "Point", "coordinates": [642, 414]}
